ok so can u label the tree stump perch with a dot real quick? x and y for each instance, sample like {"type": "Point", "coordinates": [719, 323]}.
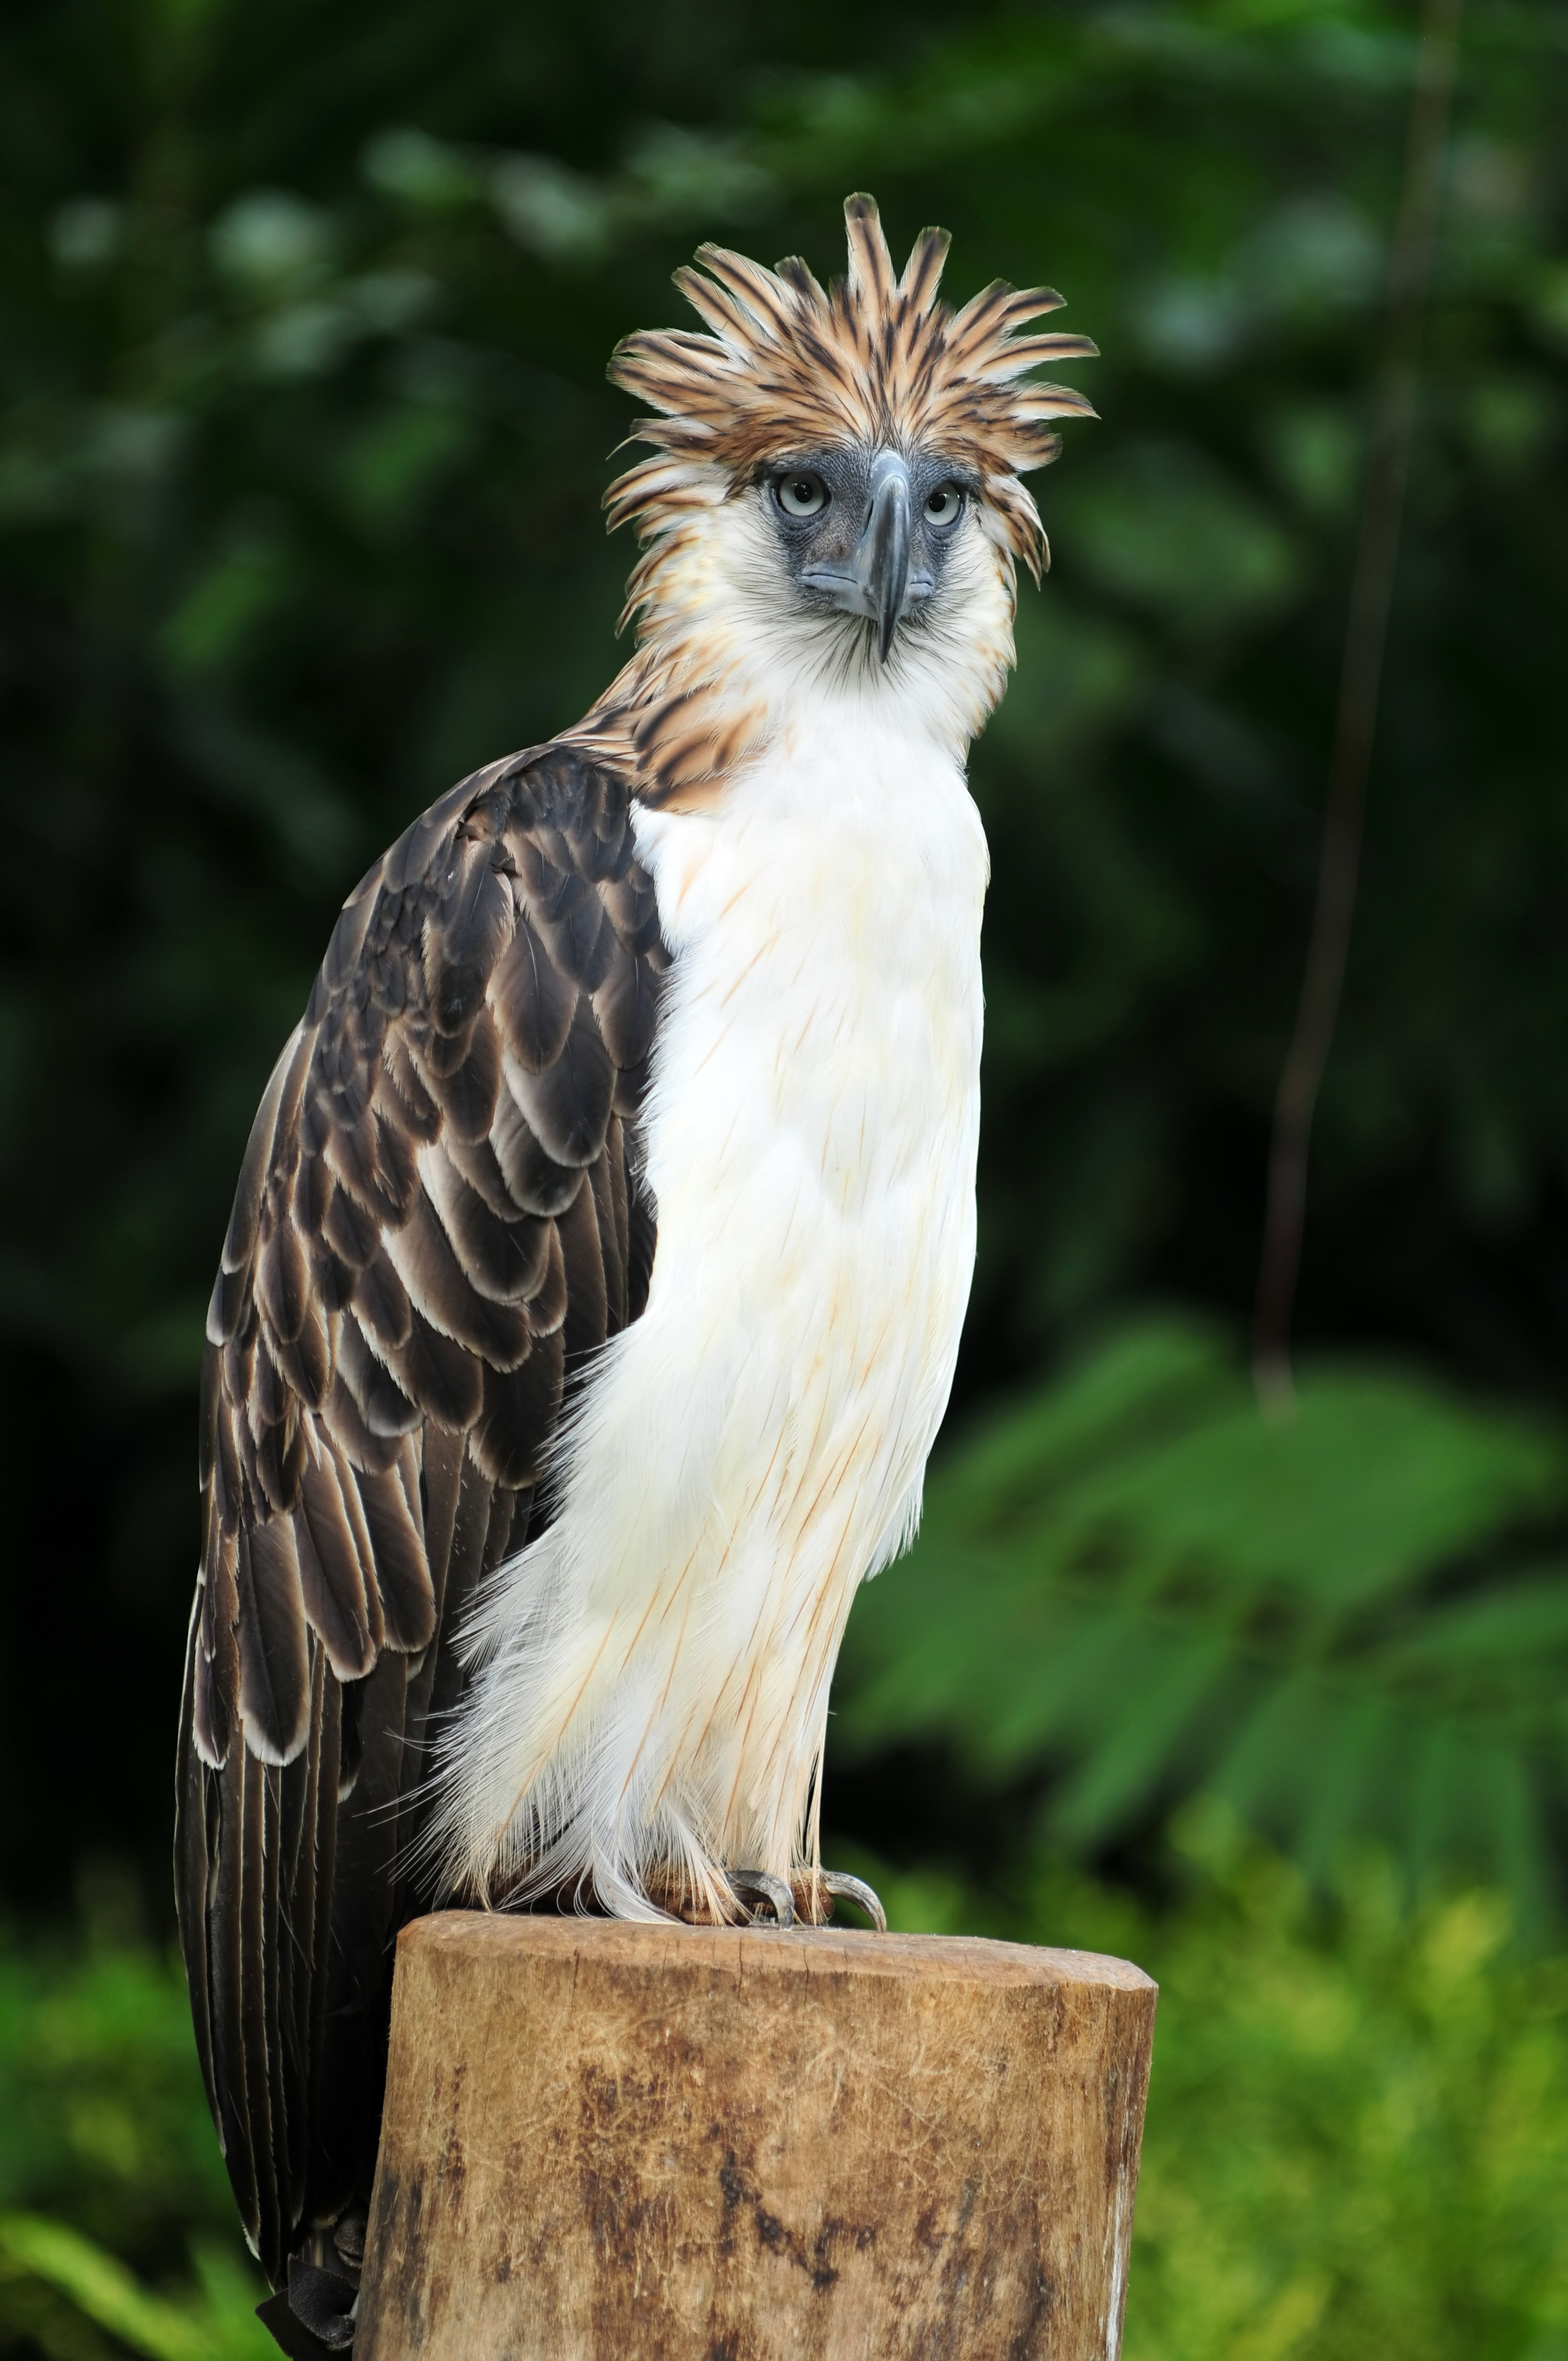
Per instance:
{"type": "Point", "coordinates": [607, 2142]}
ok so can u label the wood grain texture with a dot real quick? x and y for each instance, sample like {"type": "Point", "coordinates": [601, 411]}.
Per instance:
{"type": "Point", "coordinates": [606, 2141]}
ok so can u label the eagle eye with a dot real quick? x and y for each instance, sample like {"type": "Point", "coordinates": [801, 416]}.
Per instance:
{"type": "Point", "coordinates": [945, 506]}
{"type": "Point", "coordinates": [800, 495]}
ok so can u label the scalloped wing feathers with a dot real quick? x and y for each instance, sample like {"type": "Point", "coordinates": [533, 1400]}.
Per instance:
{"type": "Point", "coordinates": [437, 1218]}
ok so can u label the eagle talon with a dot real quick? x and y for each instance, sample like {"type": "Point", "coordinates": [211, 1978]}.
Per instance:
{"type": "Point", "coordinates": [771, 1890]}
{"type": "Point", "coordinates": [845, 1888]}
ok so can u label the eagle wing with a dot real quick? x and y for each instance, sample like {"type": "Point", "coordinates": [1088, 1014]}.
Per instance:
{"type": "Point", "coordinates": [438, 1215]}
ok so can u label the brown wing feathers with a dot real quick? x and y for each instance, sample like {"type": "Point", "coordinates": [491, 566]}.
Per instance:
{"type": "Point", "coordinates": [436, 1216]}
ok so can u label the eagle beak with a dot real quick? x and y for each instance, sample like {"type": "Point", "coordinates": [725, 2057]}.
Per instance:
{"type": "Point", "coordinates": [881, 560]}
{"type": "Point", "coordinates": [876, 580]}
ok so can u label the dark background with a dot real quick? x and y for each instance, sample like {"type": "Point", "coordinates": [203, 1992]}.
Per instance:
{"type": "Point", "coordinates": [303, 427]}
{"type": "Point", "coordinates": [304, 310]}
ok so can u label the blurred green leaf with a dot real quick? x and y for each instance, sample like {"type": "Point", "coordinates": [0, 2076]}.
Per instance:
{"type": "Point", "coordinates": [1357, 2130]}
{"type": "Point", "coordinates": [115, 2209]}
{"type": "Point", "coordinates": [103, 2289]}
{"type": "Point", "coordinates": [1341, 1620]}
{"type": "Point", "coordinates": [1164, 530]}
{"type": "Point", "coordinates": [1358, 2125]}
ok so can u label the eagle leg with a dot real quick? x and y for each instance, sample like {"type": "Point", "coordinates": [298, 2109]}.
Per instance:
{"type": "Point", "coordinates": [836, 1885]}
{"type": "Point", "coordinates": [313, 2317]}
{"type": "Point", "coordinates": [757, 1885]}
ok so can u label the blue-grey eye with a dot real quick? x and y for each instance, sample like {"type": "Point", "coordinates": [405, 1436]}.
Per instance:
{"type": "Point", "coordinates": [945, 505]}
{"type": "Point", "coordinates": [801, 495]}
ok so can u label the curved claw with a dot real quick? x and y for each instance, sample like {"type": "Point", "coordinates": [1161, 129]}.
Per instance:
{"type": "Point", "coordinates": [842, 1886]}
{"type": "Point", "coordinates": [771, 1890]}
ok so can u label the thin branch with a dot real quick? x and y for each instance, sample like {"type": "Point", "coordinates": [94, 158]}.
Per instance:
{"type": "Point", "coordinates": [1355, 721]}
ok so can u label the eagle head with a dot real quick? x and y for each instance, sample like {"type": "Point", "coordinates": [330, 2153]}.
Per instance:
{"type": "Point", "coordinates": [834, 489]}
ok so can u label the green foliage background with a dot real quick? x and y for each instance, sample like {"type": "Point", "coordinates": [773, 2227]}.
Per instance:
{"type": "Point", "coordinates": [303, 315]}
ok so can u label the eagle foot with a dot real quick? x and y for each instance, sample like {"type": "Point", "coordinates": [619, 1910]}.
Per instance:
{"type": "Point", "coordinates": [313, 2315]}
{"type": "Point", "coordinates": [760, 1899]}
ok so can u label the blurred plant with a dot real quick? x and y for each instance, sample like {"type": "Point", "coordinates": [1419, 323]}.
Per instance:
{"type": "Point", "coordinates": [1350, 1624]}
{"type": "Point", "coordinates": [1358, 2133]}
{"type": "Point", "coordinates": [1410, 255]}
{"type": "Point", "coordinates": [1358, 2122]}
{"type": "Point", "coordinates": [303, 317]}
{"type": "Point", "coordinates": [116, 2225]}
{"type": "Point", "coordinates": [56, 2287]}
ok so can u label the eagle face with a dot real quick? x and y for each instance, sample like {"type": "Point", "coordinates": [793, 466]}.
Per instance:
{"type": "Point", "coordinates": [834, 504]}
{"type": "Point", "coordinates": [867, 531]}
{"type": "Point", "coordinates": [858, 575]}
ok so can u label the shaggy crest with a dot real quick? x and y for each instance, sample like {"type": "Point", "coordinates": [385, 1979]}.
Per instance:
{"type": "Point", "coordinates": [790, 366]}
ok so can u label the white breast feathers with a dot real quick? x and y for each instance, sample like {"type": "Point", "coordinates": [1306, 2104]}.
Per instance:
{"type": "Point", "coordinates": [652, 1692]}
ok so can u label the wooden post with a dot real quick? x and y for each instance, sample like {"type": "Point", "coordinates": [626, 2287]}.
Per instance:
{"type": "Point", "coordinates": [606, 2141]}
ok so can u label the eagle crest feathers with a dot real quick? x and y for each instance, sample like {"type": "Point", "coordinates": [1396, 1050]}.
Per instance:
{"type": "Point", "coordinates": [875, 358]}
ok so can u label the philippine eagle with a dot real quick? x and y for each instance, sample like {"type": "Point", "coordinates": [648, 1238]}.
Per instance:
{"type": "Point", "coordinates": [596, 1272]}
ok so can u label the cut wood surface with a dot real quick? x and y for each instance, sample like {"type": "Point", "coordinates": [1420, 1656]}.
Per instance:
{"type": "Point", "coordinates": [711, 2144]}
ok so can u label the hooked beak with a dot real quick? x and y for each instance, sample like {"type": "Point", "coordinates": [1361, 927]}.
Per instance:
{"type": "Point", "coordinates": [876, 582]}
{"type": "Point", "coordinates": [882, 561]}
